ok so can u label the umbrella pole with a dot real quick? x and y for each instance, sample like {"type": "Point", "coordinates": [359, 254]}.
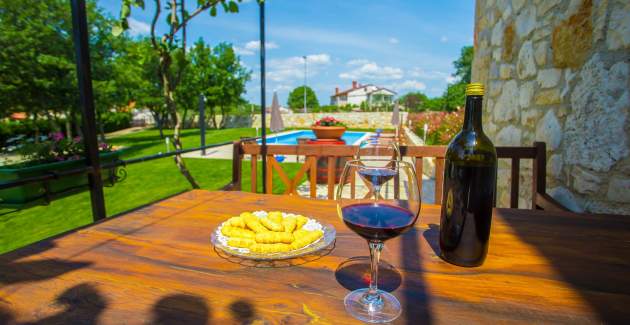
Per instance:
{"type": "Point", "coordinates": [263, 149]}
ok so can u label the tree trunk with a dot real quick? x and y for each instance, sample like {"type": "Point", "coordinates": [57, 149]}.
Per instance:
{"type": "Point", "coordinates": [213, 117]}
{"type": "Point", "coordinates": [101, 127]}
{"type": "Point", "coordinates": [224, 117]}
{"type": "Point", "coordinates": [184, 122]}
{"type": "Point", "coordinates": [158, 122]}
{"type": "Point", "coordinates": [172, 109]}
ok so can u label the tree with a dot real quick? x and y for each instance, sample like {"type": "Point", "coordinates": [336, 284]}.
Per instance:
{"type": "Point", "coordinates": [37, 63]}
{"type": "Point", "coordinates": [296, 98]}
{"type": "Point", "coordinates": [137, 73]}
{"type": "Point", "coordinates": [218, 74]}
{"type": "Point", "coordinates": [414, 101]}
{"type": "Point", "coordinates": [463, 65]}
{"type": "Point", "coordinates": [172, 53]}
{"type": "Point", "coordinates": [454, 96]}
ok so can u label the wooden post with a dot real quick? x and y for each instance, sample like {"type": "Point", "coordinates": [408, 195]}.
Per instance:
{"type": "Point", "coordinates": [237, 158]}
{"type": "Point", "coordinates": [86, 101]}
{"type": "Point", "coordinates": [516, 166]}
{"type": "Point", "coordinates": [539, 171]}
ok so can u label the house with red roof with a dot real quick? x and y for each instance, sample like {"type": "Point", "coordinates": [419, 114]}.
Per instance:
{"type": "Point", "coordinates": [370, 94]}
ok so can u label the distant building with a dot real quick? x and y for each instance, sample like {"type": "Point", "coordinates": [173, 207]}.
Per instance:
{"type": "Point", "coordinates": [370, 94]}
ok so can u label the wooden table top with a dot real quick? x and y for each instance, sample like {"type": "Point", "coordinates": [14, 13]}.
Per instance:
{"type": "Point", "coordinates": [156, 265]}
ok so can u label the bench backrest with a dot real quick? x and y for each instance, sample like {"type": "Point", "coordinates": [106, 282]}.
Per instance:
{"type": "Point", "coordinates": [311, 154]}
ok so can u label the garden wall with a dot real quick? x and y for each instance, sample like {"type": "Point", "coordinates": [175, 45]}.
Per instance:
{"type": "Point", "coordinates": [362, 120]}
{"type": "Point", "coordinates": [558, 71]}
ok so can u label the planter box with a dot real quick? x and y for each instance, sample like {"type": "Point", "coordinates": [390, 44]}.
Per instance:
{"type": "Point", "coordinates": [328, 132]}
{"type": "Point", "coordinates": [35, 193]}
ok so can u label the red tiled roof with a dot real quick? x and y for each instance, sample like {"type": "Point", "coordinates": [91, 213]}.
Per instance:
{"type": "Point", "coordinates": [349, 90]}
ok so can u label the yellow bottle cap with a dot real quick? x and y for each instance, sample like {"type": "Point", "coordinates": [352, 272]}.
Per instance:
{"type": "Point", "coordinates": [474, 89]}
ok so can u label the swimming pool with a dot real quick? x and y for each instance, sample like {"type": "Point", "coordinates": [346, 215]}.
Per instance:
{"type": "Point", "coordinates": [351, 137]}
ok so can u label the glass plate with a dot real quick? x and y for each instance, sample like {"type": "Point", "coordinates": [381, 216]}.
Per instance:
{"type": "Point", "coordinates": [321, 243]}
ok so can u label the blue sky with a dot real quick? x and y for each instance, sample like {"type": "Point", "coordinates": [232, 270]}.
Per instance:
{"type": "Point", "coordinates": [403, 45]}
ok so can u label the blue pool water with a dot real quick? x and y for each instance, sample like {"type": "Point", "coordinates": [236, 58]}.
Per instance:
{"type": "Point", "coordinates": [350, 137]}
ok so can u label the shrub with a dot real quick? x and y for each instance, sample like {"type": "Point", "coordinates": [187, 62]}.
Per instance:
{"type": "Point", "coordinates": [114, 121]}
{"type": "Point", "coordinates": [56, 148]}
{"type": "Point", "coordinates": [25, 128]}
{"type": "Point", "coordinates": [442, 126]}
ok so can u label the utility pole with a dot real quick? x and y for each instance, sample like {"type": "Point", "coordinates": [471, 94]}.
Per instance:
{"type": "Point", "coordinates": [304, 83]}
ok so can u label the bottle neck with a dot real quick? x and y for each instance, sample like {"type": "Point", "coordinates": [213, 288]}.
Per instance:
{"type": "Point", "coordinates": [472, 114]}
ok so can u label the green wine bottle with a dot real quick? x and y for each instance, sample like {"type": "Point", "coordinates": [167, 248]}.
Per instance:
{"type": "Point", "coordinates": [470, 176]}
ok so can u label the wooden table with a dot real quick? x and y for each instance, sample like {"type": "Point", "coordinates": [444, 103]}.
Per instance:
{"type": "Point", "coordinates": [156, 265]}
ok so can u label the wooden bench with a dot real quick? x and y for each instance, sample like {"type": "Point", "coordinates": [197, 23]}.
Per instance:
{"type": "Point", "coordinates": [536, 153]}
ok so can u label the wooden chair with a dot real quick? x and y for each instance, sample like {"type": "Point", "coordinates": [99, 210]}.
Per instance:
{"type": "Point", "coordinates": [536, 153]}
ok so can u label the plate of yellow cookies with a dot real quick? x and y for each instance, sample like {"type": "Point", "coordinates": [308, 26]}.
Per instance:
{"type": "Point", "coordinates": [262, 235]}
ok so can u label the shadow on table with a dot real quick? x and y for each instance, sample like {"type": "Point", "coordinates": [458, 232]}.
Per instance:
{"type": "Point", "coordinates": [243, 311]}
{"type": "Point", "coordinates": [276, 263]}
{"type": "Point", "coordinates": [12, 270]}
{"type": "Point", "coordinates": [415, 300]}
{"type": "Point", "coordinates": [354, 273]}
{"type": "Point", "coordinates": [181, 309]}
{"type": "Point", "coordinates": [82, 304]}
{"type": "Point", "coordinates": [432, 236]}
{"type": "Point", "coordinates": [594, 267]}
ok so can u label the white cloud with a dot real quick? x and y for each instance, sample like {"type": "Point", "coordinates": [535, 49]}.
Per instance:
{"type": "Point", "coordinates": [292, 68]}
{"type": "Point", "coordinates": [408, 85]}
{"type": "Point", "coordinates": [251, 47]}
{"type": "Point", "coordinates": [443, 39]}
{"type": "Point", "coordinates": [357, 62]}
{"type": "Point", "coordinates": [137, 27]}
{"type": "Point", "coordinates": [371, 70]}
{"type": "Point", "coordinates": [393, 40]}
{"type": "Point", "coordinates": [255, 45]}
{"type": "Point", "coordinates": [430, 75]}
{"type": "Point", "coordinates": [451, 79]}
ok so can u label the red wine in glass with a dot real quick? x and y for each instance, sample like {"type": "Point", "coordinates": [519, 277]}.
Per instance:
{"type": "Point", "coordinates": [374, 221]}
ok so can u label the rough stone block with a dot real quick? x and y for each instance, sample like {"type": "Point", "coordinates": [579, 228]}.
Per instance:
{"type": "Point", "coordinates": [619, 190]}
{"type": "Point", "coordinates": [526, 22]}
{"type": "Point", "coordinates": [509, 136]}
{"type": "Point", "coordinates": [572, 39]}
{"type": "Point", "coordinates": [549, 131]}
{"type": "Point", "coordinates": [505, 71]}
{"type": "Point", "coordinates": [506, 108]}
{"type": "Point", "coordinates": [526, 66]}
{"type": "Point", "coordinates": [566, 198]}
{"type": "Point", "coordinates": [548, 97]}
{"type": "Point", "coordinates": [619, 29]}
{"type": "Point", "coordinates": [585, 182]}
{"type": "Point", "coordinates": [548, 78]}
{"type": "Point", "coordinates": [526, 92]}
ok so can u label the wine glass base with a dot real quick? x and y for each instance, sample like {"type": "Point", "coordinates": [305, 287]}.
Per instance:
{"type": "Point", "coordinates": [383, 310]}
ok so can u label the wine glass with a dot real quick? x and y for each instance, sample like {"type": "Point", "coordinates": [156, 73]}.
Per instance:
{"type": "Point", "coordinates": [378, 148]}
{"type": "Point", "coordinates": [377, 199]}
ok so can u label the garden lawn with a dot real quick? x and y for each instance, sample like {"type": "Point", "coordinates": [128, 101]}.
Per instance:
{"type": "Point", "coordinates": [146, 182]}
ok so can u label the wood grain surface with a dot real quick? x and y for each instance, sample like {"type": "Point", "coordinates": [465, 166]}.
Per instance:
{"type": "Point", "coordinates": [156, 266]}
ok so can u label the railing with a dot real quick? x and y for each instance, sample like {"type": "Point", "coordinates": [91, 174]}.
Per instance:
{"type": "Point", "coordinates": [88, 170]}
{"type": "Point", "coordinates": [312, 153]}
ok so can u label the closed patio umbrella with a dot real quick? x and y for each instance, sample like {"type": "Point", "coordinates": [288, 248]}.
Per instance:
{"type": "Point", "coordinates": [396, 115]}
{"type": "Point", "coordinates": [276, 118]}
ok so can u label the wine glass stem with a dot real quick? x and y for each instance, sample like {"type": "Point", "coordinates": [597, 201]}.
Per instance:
{"type": "Point", "coordinates": [372, 298]}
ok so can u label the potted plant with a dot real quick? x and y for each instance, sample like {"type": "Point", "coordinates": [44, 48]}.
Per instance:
{"type": "Point", "coordinates": [54, 155]}
{"type": "Point", "coordinates": [328, 128]}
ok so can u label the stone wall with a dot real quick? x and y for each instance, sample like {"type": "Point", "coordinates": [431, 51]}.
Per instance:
{"type": "Point", "coordinates": [363, 120]}
{"type": "Point", "coordinates": [558, 71]}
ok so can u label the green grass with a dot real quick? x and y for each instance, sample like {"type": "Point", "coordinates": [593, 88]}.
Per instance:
{"type": "Point", "coordinates": [145, 183]}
